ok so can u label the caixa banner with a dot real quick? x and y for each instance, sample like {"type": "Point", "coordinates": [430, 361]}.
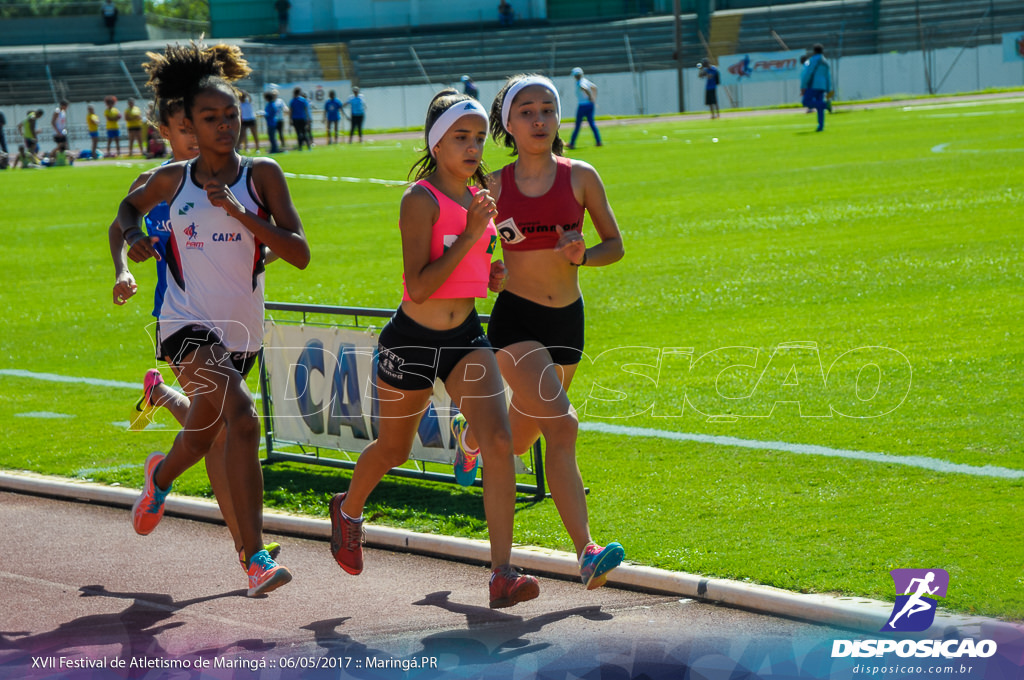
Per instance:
{"type": "Point", "coordinates": [759, 67]}
{"type": "Point", "coordinates": [323, 392]}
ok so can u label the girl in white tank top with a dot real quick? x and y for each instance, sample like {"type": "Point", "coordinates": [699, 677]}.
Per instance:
{"type": "Point", "coordinates": [211, 320]}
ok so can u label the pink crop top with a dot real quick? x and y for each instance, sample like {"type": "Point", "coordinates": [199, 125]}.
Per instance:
{"type": "Point", "coordinates": [471, 274]}
{"type": "Point", "coordinates": [528, 222]}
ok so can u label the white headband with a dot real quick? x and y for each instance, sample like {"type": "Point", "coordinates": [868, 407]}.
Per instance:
{"type": "Point", "coordinates": [451, 115]}
{"type": "Point", "coordinates": [506, 104]}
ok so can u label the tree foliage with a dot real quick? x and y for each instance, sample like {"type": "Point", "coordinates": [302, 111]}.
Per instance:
{"type": "Point", "coordinates": [193, 10]}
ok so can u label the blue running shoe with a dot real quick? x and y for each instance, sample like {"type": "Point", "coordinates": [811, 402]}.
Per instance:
{"type": "Point", "coordinates": [596, 562]}
{"type": "Point", "coordinates": [466, 462]}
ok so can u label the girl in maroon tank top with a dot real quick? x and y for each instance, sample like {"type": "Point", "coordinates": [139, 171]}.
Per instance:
{"type": "Point", "coordinates": [537, 322]}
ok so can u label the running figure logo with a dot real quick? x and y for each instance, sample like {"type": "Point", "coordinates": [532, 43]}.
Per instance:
{"type": "Point", "coordinates": [916, 593]}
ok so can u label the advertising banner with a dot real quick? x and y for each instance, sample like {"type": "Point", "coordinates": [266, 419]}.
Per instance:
{"type": "Point", "coordinates": [1013, 46]}
{"type": "Point", "coordinates": [324, 393]}
{"type": "Point", "coordinates": [759, 67]}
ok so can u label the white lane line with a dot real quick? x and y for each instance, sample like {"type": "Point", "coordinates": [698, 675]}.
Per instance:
{"type": "Point", "coordinates": [358, 180]}
{"type": "Point", "coordinates": [96, 382]}
{"type": "Point", "coordinates": [805, 449]}
{"type": "Point", "coordinates": [43, 414]}
{"type": "Point", "coordinates": [810, 449]}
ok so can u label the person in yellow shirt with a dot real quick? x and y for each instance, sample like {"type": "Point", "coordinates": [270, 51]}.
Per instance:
{"type": "Point", "coordinates": [93, 122]}
{"type": "Point", "coordinates": [113, 117]}
{"type": "Point", "coordinates": [133, 121]}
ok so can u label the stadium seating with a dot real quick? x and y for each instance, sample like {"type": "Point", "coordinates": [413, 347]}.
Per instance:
{"type": "Point", "coordinates": [845, 27]}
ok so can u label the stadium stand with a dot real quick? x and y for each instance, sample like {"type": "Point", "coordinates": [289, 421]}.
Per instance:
{"type": "Point", "coordinates": [88, 73]}
{"type": "Point", "coordinates": [845, 27]}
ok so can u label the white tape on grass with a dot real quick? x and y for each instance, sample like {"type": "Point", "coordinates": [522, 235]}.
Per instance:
{"type": "Point", "coordinates": [802, 449]}
{"type": "Point", "coordinates": [97, 382]}
{"type": "Point", "coordinates": [809, 450]}
{"type": "Point", "coordinates": [358, 180]}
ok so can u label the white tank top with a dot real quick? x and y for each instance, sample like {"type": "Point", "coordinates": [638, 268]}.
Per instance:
{"type": "Point", "coordinates": [215, 266]}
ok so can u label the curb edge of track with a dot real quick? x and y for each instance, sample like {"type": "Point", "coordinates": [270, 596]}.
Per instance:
{"type": "Point", "coordinates": [853, 613]}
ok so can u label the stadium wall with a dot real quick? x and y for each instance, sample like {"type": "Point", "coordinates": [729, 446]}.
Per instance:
{"type": "Point", "coordinates": [654, 92]}
{"type": "Point", "coordinates": [316, 16]}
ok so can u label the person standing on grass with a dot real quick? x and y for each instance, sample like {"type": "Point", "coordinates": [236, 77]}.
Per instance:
{"type": "Point", "coordinates": [155, 392]}
{"type": "Point", "coordinates": [113, 117]}
{"type": "Point", "coordinates": [586, 97]}
{"type": "Point", "coordinates": [225, 210]}
{"type": "Point", "coordinates": [248, 114]}
{"type": "Point", "coordinates": [280, 113]}
{"type": "Point", "coordinates": [537, 324]}
{"type": "Point", "coordinates": [133, 122]}
{"type": "Point", "coordinates": [3, 140]}
{"type": "Point", "coordinates": [709, 72]}
{"type": "Point", "coordinates": [448, 238]}
{"type": "Point", "coordinates": [299, 107]}
{"type": "Point", "coordinates": [816, 83]}
{"type": "Point", "coordinates": [332, 116]}
{"type": "Point", "coordinates": [357, 109]}
{"type": "Point", "coordinates": [29, 133]}
{"type": "Point", "coordinates": [92, 123]}
{"type": "Point", "coordinates": [59, 123]}
{"type": "Point", "coordinates": [270, 116]}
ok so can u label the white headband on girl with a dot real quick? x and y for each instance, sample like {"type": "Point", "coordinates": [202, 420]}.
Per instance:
{"type": "Point", "coordinates": [506, 104]}
{"type": "Point", "coordinates": [451, 115]}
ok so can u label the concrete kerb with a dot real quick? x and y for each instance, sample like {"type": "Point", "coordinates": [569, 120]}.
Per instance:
{"type": "Point", "coordinates": [853, 613]}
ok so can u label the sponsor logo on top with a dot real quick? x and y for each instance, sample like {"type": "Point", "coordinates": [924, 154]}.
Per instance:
{"type": "Point", "coordinates": [193, 237]}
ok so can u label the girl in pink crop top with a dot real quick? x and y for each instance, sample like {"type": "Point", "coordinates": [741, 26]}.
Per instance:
{"type": "Point", "coordinates": [448, 236]}
{"type": "Point", "coordinates": [472, 273]}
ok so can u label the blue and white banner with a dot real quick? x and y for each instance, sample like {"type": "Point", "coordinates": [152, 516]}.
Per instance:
{"type": "Point", "coordinates": [1013, 46]}
{"type": "Point", "coordinates": [759, 67]}
{"type": "Point", "coordinates": [324, 393]}
{"type": "Point", "coordinates": [322, 382]}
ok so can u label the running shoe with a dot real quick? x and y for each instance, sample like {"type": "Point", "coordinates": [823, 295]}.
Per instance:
{"type": "Point", "coordinates": [509, 587]}
{"type": "Point", "coordinates": [273, 548]}
{"type": "Point", "coordinates": [265, 574]}
{"type": "Point", "coordinates": [466, 462]}
{"type": "Point", "coordinates": [142, 414]}
{"type": "Point", "coordinates": [347, 538]}
{"type": "Point", "coordinates": [596, 562]}
{"type": "Point", "coordinates": [149, 508]}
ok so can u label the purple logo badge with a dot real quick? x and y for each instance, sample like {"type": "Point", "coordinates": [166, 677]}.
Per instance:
{"type": "Point", "coordinates": [917, 591]}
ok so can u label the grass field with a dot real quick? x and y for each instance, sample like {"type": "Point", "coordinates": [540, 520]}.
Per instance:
{"type": "Point", "coordinates": [897, 228]}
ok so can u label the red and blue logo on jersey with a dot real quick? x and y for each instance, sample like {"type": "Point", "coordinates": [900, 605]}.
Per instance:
{"type": "Point", "coordinates": [193, 237]}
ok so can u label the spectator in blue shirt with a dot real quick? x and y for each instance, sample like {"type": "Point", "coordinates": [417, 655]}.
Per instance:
{"type": "Point", "coordinates": [816, 82]}
{"type": "Point", "coordinates": [469, 87]}
{"type": "Point", "coordinates": [270, 115]}
{"type": "Point", "coordinates": [301, 121]}
{"type": "Point", "coordinates": [357, 107]}
{"type": "Point", "coordinates": [332, 116]}
{"type": "Point", "coordinates": [709, 72]}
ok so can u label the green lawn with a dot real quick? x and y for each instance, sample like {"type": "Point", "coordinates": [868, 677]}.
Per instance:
{"type": "Point", "coordinates": [895, 229]}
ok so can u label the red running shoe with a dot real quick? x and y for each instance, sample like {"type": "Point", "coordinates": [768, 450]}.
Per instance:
{"type": "Point", "coordinates": [509, 587]}
{"type": "Point", "coordinates": [347, 538]}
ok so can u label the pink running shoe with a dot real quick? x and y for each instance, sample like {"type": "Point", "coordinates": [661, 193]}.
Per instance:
{"type": "Point", "coordinates": [149, 508]}
{"type": "Point", "coordinates": [142, 414]}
